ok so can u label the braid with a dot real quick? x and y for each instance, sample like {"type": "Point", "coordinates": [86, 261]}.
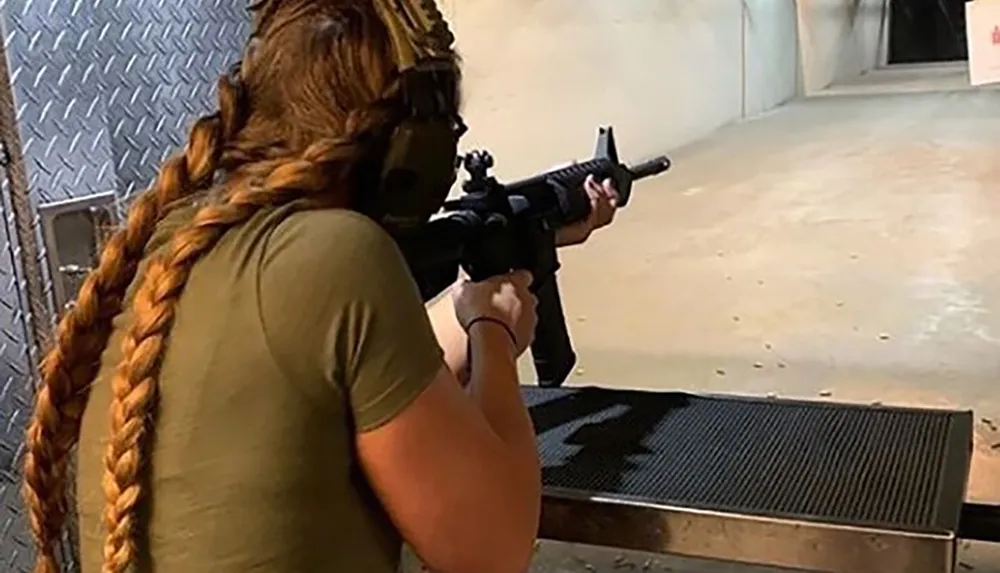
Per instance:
{"type": "Point", "coordinates": [322, 167]}
{"type": "Point", "coordinates": [81, 336]}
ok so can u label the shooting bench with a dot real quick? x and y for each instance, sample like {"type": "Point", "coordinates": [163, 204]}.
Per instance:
{"type": "Point", "coordinates": [815, 486]}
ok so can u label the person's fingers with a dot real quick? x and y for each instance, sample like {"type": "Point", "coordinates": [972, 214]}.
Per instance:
{"type": "Point", "coordinates": [609, 190]}
{"type": "Point", "coordinates": [593, 189]}
{"type": "Point", "coordinates": [597, 198]}
{"type": "Point", "coordinates": [604, 207]}
{"type": "Point", "coordinates": [521, 278]}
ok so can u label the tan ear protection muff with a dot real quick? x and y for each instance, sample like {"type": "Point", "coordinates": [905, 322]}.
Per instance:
{"type": "Point", "coordinates": [420, 159]}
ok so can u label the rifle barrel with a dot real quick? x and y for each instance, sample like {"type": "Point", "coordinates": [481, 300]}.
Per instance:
{"type": "Point", "coordinates": [650, 168]}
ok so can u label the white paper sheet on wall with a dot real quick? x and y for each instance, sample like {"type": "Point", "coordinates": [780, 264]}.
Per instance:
{"type": "Point", "coordinates": [982, 26]}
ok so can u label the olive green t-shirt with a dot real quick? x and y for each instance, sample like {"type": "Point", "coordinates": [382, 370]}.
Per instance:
{"type": "Point", "coordinates": [298, 330]}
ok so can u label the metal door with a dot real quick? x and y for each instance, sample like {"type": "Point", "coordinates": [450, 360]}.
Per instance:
{"type": "Point", "coordinates": [93, 95]}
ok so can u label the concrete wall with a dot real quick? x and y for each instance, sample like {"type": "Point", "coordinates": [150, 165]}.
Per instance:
{"type": "Point", "coordinates": [541, 75]}
{"type": "Point", "coordinates": [839, 39]}
{"type": "Point", "coordinates": [771, 62]}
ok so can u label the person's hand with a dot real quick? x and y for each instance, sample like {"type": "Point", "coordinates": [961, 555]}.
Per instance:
{"type": "Point", "coordinates": [603, 202]}
{"type": "Point", "coordinates": [504, 298]}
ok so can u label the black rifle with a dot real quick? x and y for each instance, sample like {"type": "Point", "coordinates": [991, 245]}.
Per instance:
{"type": "Point", "coordinates": [494, 228]}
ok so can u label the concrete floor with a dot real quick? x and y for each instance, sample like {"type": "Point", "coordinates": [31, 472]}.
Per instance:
{"type": "Point", "coordinates": [842, 247]}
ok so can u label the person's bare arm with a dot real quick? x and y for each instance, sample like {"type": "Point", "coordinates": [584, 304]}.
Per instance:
{"type": "Point", "coordinates": [459, 476]}
{"type": "Point", "coordinates": [457, 473]}
{"type": "Point", "coordinates": [451, 337]}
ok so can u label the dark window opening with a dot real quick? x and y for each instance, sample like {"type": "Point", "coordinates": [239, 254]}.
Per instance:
{"type": "Point", "coordinates": [927, 31]}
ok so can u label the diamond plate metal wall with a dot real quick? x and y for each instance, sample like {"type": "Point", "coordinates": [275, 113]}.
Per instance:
{"type": "Point", "coordinates": [102, 90]}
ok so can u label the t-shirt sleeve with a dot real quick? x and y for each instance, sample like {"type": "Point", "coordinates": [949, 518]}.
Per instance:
{"type": "Point", "coordinates": [338, 305]}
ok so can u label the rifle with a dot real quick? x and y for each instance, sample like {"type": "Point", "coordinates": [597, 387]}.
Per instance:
{"type": "Point", "coordinates": [494, 228]}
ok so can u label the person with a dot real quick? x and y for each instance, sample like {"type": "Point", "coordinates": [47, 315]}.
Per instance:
{"type": "Point", "coordinates": [249, 378]}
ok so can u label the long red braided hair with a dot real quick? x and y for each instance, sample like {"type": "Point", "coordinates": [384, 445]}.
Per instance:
{"type": "Point", "coordinates": [317, 76]}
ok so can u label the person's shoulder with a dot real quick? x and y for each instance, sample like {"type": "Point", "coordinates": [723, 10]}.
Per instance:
{"type": "Point", "coordinates": [333, 243]}
{"type": "Point", "coordinates": [326, 226]}
{"type": "Point", "coordinates": [330, 235]}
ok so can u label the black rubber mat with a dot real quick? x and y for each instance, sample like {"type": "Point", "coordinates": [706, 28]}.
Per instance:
{"type": "Point", "coordinates": [892, 468]}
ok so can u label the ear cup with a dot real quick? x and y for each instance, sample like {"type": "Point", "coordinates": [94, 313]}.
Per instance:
{"type": "Point", "coordinates": [417, 173]}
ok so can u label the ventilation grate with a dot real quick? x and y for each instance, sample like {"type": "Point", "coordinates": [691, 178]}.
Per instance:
{"type": "Point", "coordinates": [901, 469]}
